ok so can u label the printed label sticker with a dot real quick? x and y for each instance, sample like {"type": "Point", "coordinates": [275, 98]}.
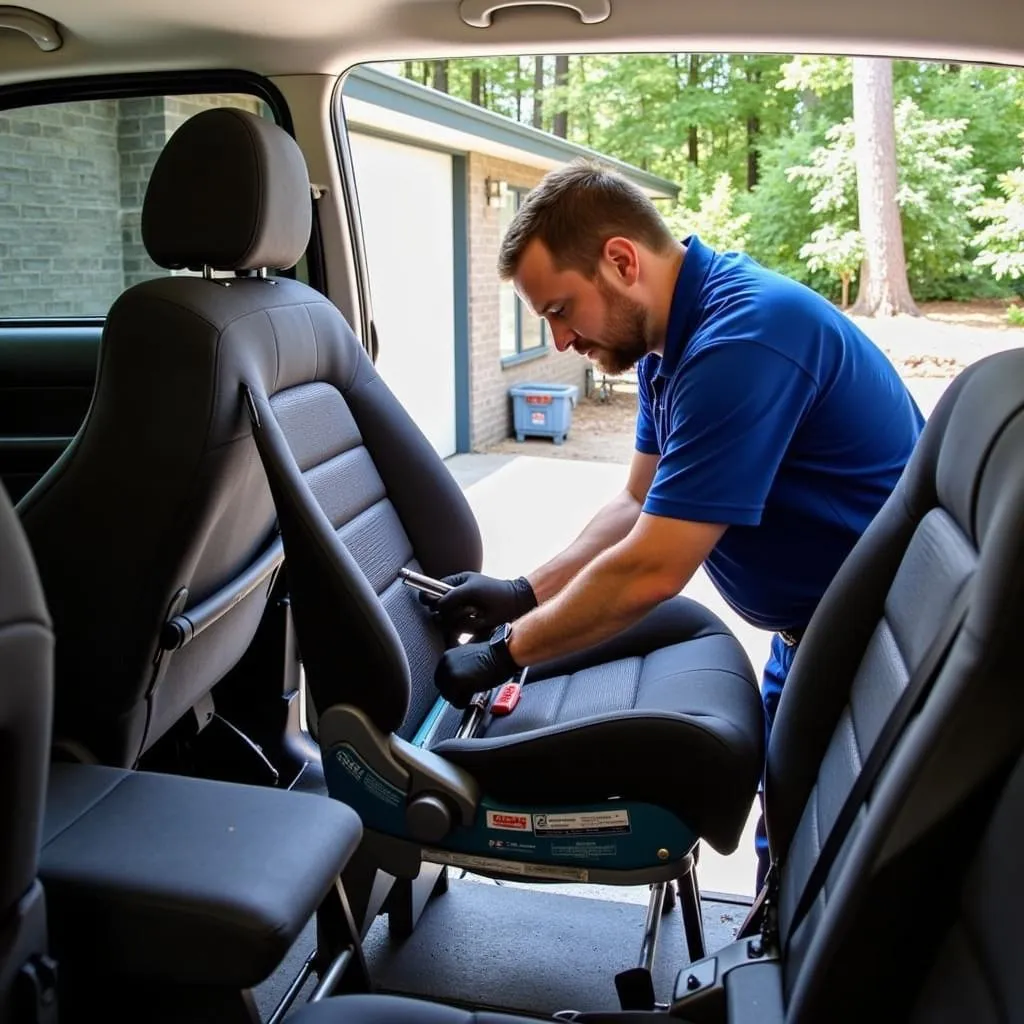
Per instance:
{"type": "Point", "coordinates": [582, 823]}
{"type": "Point", "coordinates": [510, 821]}
{"type": "Point", "coordinates": [507, 867]}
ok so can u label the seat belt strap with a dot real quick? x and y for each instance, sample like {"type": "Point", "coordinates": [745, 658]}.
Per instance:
{"type": "Point", "coordinates": [905, 708]}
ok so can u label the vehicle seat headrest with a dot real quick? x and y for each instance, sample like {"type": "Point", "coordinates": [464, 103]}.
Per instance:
{"type": "Point", "coordinates": [230, 191]}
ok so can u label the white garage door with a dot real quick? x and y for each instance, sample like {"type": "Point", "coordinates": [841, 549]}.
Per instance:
{"type": "Point", "coordinates": [405, 201]}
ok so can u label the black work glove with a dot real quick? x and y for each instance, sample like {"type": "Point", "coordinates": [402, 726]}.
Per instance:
{"type": "Point", "coordinates": [470, 668]}
{"type": "Point", "coordinates": [479, 604]}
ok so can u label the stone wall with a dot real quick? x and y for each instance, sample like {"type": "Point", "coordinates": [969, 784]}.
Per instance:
{"type": "Point", "coordinates": [72, 180]}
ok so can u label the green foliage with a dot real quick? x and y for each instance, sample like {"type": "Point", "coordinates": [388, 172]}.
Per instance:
{"type": "Point", "coordinates": [1015, 315]}
{"type": "Point", "coordinates": [938, 187]}
{"type": "Point", "coordinates": [781, 219]}
{"type": "Point", "coordinates": [754, 118]}
{"type": "Point", "coordinates": [1001, 240]}
{"type": "Point", "coordinates": [837, 253]}
{"type": "Point", "coordinates": [715, 220]}
{"type": "Point", "coordinates": [990, 100]}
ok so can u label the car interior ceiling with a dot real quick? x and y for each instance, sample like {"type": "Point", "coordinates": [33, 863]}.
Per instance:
{"type": "Point", "coordinates": [232, 793]}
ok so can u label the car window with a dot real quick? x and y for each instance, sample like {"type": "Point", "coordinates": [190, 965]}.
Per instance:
{"type": "Point", "coordinates": [73, 177]}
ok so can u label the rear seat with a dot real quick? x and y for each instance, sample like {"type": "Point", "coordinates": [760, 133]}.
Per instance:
{"type": "Point", "coordinates": [162, 891]}
{"type": "Point", "coordinates": [168, 882]}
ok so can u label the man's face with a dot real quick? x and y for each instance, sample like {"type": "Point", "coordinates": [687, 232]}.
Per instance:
{"type": "Point", "coordinates": [594, 317]}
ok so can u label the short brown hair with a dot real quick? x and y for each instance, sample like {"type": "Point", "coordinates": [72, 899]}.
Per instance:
{"type": "Point", "coordinates": [574, 210]}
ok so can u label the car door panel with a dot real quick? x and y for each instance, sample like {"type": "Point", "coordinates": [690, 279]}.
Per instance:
{"type": "Point", "coordinates": [47, 375]}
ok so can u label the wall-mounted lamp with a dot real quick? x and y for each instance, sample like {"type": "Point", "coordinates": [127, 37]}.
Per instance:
{"type": "Point", "coordinates": [496, 191]}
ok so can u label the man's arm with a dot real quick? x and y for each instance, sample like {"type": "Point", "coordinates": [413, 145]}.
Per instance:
{"type": "Point", "coordinates": [611, 525]}
{"type": "Point", "coordinates": [653, 562]}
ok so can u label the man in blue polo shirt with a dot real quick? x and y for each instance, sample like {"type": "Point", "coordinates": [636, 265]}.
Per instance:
{"type": "Point", "coordinates": [770, 432]}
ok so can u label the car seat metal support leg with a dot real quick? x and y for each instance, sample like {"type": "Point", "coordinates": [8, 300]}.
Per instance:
{"type": "Point", "coordinates": [340, 964]}
{"type": "Point", "coordinates": [693, 922]}
{"type": "Point", "coordinates": [635, 987]}
{"type": "Point", "coordinates": [649, 945]}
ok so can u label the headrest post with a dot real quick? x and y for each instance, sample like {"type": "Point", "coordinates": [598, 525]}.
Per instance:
{"type": "Point", "coordinates": [207, 272]}
{"type": "Point", "coordinates": [262, 272]}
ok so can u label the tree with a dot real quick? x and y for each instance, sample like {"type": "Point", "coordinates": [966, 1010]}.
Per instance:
{"type": "Point", "coordinates": [560, 118]}
{"type": "Point", "coordinates": [715, 220]}
{"type": "Point", "coordinates": [938, 187]}
{"type": "Point", "coordinates": [441, 75]}
{"type": "Point", "coordinates": [692, 138]}
{"type": "Point", "coordinates": [538, 92]}
{"type": "Point", "coordinates": [883, 288]}
{"type": "Point", "coordinates": [837, 254]}
{"type": "Point", "coordinates": [1001, 240]}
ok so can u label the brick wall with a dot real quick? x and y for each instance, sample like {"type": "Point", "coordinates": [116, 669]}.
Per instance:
{"type": "Point", "coordinates": [60, 246]}
{"type": "Point", "coordinates": [72, 180]}
{"type": "Point", "coordinates": [490, 406]}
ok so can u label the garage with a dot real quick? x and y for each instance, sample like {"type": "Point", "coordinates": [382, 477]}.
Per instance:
{"type": "Point", "coordinates": [405, 201]}
{"type": "Point", "coordinates": [438, 180]}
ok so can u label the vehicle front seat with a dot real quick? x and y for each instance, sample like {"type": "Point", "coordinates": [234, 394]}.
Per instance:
{"type": "Point", "coordinates": [26, 698]}
{"type": "Point", "coordinates": [155, 533]}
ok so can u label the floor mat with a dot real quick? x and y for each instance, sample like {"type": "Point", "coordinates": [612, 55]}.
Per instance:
{"type": "Point", "coordinates": [520, 949]}
{"type": "Point", "coordinates": [536, 952]}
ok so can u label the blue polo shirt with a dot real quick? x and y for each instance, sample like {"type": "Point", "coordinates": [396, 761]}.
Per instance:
{"type": "Point", "coordinates": [774, 414]}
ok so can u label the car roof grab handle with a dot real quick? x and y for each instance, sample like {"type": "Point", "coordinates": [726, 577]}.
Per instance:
{"type": "Point", "coordinates": [478, 13]}
{"type": "Point", "coordinates": [40, 29]}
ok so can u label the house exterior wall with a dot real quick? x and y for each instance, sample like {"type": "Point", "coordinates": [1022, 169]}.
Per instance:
{"type": "Point", "coordinates": [490, 379]}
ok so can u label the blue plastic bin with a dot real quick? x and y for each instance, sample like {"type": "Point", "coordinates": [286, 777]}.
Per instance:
{"type": "Point", "coordinates": [543, 410]}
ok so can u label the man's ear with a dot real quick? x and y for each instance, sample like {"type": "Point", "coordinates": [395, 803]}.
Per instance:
{"type": "Point", "coordinates": [624, 257]}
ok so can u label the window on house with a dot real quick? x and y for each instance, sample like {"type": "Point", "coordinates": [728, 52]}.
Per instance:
{"type": "Point", "coordinates": [73, 176]}
{"type": "Point", "coordinates": [520, 331]}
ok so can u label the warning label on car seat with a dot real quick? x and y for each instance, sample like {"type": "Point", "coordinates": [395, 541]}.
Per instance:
{"type": "Point", "coordinates": [555, 872]}
{"type": "Point", "coordinates": [582, 823]}
{"type": "Point", "coordinates": [510, 820]}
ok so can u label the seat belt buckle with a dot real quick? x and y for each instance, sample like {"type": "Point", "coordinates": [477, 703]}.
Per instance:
{"type": "Point", "coordinates": [507, 699]}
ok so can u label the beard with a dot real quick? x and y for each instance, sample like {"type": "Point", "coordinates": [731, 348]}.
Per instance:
{"type": "Point", "coordinates": [625, 340]}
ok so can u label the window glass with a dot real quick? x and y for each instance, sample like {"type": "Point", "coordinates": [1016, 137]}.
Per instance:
{"type": "Point", "coordinates": [521, 330]}
{"type": "Point", "coordinates": [72, 180]}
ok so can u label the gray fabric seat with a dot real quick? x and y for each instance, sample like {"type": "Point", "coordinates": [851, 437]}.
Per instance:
{"type": "Point", "coordinates": [26, 696]}
{"type": "Point", "coordinates": [662, 713]}
{"type": "Point", "coordinates": [955, 518]}
{"type": "Point", "coordinates": [154, 532]}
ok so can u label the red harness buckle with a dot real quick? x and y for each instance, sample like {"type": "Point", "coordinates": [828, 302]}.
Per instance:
{"type": "Point", "coordinates": [507, 699]}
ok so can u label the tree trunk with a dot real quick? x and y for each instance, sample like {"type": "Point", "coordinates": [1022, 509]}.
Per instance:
{"type": "Point", "coordinates": [476, 87]}
{"type": "Point", "coordinates": [441, 75]}
{"type": "Point", "coordinates": [538, 92]}
{"type": "Point", "coordinates": [407, 71]}
{"type": "Point", "coordinates": [693, 154]}
{"type": "Point", "coordinates": [519, 89]}
{"type": "Point", "coordinates": [753, 154]}
{"type": "Point", "coordinates": [884, 290]}
{"type": "Point", "coordinates": [753, 139]}
{"type": "Point", "coordinates": [560, 121]}
{"type": "Point", "coordinates": [845, 278]}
